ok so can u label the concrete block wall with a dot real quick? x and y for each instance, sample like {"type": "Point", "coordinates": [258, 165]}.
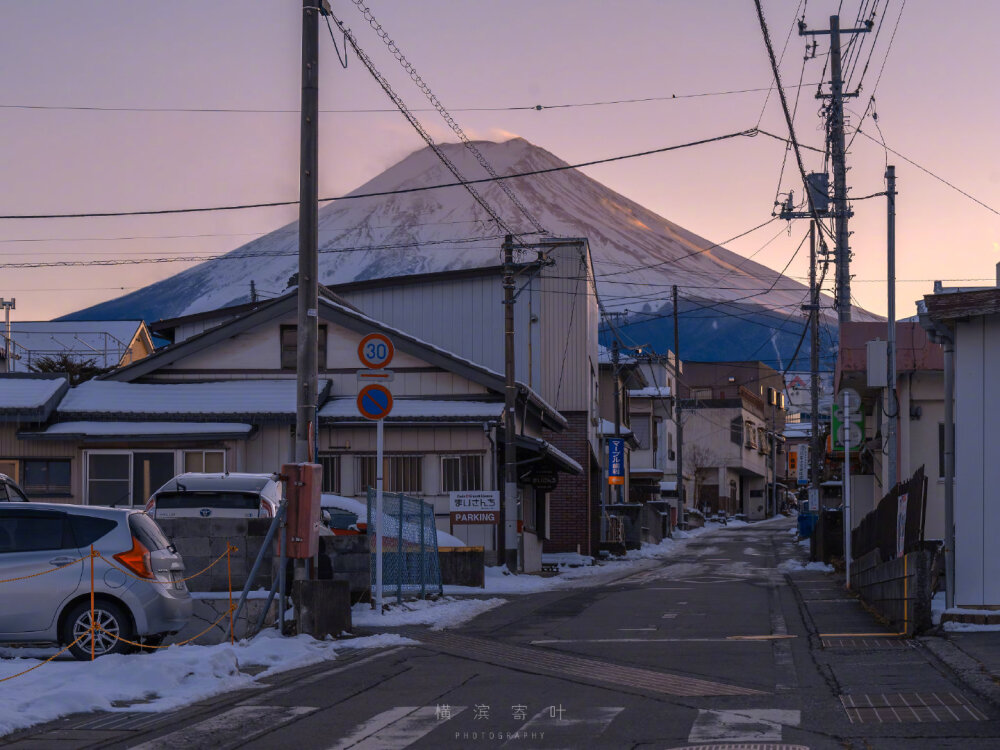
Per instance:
{"type": "Point", "coordinates": [201, 540]}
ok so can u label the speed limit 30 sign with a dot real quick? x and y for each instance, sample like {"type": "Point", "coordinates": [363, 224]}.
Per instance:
{"type": "Point", "coordinates": [375, 351]}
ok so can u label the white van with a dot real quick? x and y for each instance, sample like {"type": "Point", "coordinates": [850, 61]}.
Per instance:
{"type": "Point", "coordinates": [194, 495]}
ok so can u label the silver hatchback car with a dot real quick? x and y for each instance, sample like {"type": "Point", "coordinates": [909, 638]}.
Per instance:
{"type": "Point", "coordinates": [139, 592]}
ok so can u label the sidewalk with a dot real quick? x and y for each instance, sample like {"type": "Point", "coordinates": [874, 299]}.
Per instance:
{"type": "Point", "coordinates": [974, 657]}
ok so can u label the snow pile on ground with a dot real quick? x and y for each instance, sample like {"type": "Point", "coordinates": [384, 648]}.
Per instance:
{"type": "Point", "coordinates": [938, 609]}
{"type": "Point", "coordinates": [439, 614]}
{"type": "Point", "coordinates": [567, 559]}
{"type": "Point", "coordinates": [792, 566]}
{"type": "Point", "coordinates": [162, 680]}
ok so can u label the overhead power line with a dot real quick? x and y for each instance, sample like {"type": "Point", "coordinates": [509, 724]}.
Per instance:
{"type": "Point", "coordinates": [402, 191]}
{"type": "Point", "coordinates": [240, 255]}
{"type": "Point", "coordinates": [383, 110]}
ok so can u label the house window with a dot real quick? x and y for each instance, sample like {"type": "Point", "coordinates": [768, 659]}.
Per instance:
{"type": "Point", "coordinates": [399, 474]}
{"type": "Point", "coordinates": [640, 430]}
{"type": "Point", "coordinates": [290, 345]}
{"type": "Point", "coordinates": [459, 473]}
{"type": "Point", "coordinates": [126, 477]}
{"type": "Point", "coordinates": [331, 473]}
{"type": "Point", "coordinates": [109, 478]}
{"type": "Point", "coordinates": [44, 477]}
{"type": "Point", "coordinates": [736, 430]}
{"type": "Point", "coordinates": [210, 462]}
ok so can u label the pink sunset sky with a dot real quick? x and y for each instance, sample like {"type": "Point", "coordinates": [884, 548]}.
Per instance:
{"type": "Point", "coordinates": [936, 102]}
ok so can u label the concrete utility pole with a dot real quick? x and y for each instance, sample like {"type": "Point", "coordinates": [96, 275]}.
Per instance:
{"type": "Point", "coordinates": [678, 416]}
{"type": "Point", "coordinates": [306, 361]}
{"type": "Point", "coordinates": [892, 408]}
{"type": "Point", "coordinates": [509, 511]}
{"type": "Point", "coordinates": [815, 467]}
{"type": "Point", "coordinates": [838, 157]}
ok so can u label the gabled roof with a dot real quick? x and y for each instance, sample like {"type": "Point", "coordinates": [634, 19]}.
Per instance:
{"type": "Point", "coordinates": [30, 397]}
{"type": "Point", "coordinates": [347, 317]}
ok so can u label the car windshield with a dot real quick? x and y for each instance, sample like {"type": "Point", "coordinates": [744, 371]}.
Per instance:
{"type": "Point", "coordinates": [231, 500]}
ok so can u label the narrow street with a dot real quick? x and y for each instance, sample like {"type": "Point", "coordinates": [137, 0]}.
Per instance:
{"type": "Point", "coordinates": [717, 646]}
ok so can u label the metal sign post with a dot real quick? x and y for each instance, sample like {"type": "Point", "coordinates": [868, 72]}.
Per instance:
{"type": "Point", "coordinates": [379, 432]}
{"type": "Point", "coordinates": [375, 402]}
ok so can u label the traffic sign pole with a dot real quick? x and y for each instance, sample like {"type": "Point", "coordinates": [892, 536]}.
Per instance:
{"type": "Point", "coordinates": [379, 431]}
{"type": "Point", "coordinates": [375, 402]}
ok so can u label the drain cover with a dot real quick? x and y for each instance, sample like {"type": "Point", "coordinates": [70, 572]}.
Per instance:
{"type": "Point", "coordinates": [905, 708]}
{"type": "Point", "coordinates": [868, 644]}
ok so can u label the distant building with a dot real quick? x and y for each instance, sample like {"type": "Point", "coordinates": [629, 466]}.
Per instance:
{"type": "Point", "coordinates": [104, 343]}
{"type": "Point", "coordinates": [733, 436]}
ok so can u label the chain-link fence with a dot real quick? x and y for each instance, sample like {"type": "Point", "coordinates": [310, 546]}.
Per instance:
{"type": "Point", "coordinates": [410, 565]}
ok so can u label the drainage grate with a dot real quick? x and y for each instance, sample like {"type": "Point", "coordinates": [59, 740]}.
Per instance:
{"type": "Point", "coordinates": [543, 661]}
{"type": "Point", "coordinates": [905, 708]}
{"type": "Point", "coordinates": [869, 644]}
{"type": "Point", "coordinates": [118, 721]}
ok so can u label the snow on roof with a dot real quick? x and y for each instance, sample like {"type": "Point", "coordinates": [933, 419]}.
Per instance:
{"type": "Point", "coordinates": [349, 504]}
{"type": "Point", "coordinates": [608, 428]}
{"type": "Point", "coordinates": [555, 452]}
{"type": "Point", "coordinates": [413, 408]}
{"type": "Point", "coordinates": [28, 393]}
{"type": "Point", "coordinates": [104, 341]}
{"type": "Point", "coordinates": [139, 429]}
{"type": "Point", "coordinates": [650, 391]}
{"type": "Point", "coordinates": [259, 397]}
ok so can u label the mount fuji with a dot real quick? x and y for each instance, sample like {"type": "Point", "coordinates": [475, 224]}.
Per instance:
{"type": "Point", "coordinates": [739, 308]}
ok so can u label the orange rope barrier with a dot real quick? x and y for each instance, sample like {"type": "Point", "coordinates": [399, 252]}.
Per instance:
{"type": "Point", "coordinates": [44, 572]}
{"type": "Point", "coordinates": [60, 653]}
{"type": "Point", "coordinates": [179, 580]}
{"type": "Point", "coordinates": [180, 643]}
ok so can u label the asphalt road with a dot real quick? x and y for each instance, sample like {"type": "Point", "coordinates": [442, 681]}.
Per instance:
{"type": "Point", "coordinates": [716, 647]}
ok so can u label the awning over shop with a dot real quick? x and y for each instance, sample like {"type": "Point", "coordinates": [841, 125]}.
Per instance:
{"type": "Point", "coordinates": [141, 431]}
{"type": "Point", "coordinates": [543, 449]}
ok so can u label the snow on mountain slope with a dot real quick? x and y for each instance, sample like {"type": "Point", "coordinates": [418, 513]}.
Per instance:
{"type": "Point", "coordinates": [445, 228]}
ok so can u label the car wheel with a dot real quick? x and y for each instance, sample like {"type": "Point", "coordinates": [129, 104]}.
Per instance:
{"type": "Point", "coordinates": [113, 624]}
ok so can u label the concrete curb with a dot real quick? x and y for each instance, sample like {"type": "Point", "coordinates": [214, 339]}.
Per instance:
{"type": "Point", "coordinates": [969, 671]}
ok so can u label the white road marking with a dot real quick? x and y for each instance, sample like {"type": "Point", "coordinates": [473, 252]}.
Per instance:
{"type": "Point", "coordinates": [591, 726]}
{"type": "Point", "coordinates": [232, 728]}
{"type": "Point", "coordinates": [669, 616]}
{"type": "Point", "coordinates": [624, 630]}
{"type": "Point", "coordinates": [267, 698]}
{"type": "Point", "coordinates": [395, 729]}
{"type": "Point", "coordinates": [749, 725]}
